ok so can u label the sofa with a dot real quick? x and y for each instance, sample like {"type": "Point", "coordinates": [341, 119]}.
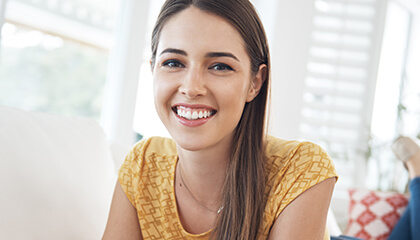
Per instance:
{"type": "Point", "coordinates": [57, 176]}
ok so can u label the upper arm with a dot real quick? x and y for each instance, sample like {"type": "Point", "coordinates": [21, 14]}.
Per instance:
{"type": "Point", "coordinates": [123, 222]}
{"type": "Point", "coordinates": [305, 217]}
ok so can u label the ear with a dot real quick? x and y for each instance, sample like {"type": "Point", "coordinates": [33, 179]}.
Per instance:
{"type": "Point", "coordinates": [151, 65]}
{"type": "Point", "coordinates": [257, 82]}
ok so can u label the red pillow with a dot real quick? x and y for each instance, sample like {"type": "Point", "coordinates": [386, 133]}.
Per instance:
{"type": "Point", "coordinates": [373, 214]}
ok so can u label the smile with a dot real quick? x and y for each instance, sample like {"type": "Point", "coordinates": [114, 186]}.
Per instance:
{"type": "Point", "coordinates": [190, 113]}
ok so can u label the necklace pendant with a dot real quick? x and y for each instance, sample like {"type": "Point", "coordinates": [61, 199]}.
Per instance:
{"type": "Point", "coordinates": [220, 209]}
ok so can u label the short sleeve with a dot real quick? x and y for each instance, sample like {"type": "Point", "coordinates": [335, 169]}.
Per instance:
{"type": "Point", "coordinates": [309, 164]}
{"type": "Point", "coordinates": [130, 171]}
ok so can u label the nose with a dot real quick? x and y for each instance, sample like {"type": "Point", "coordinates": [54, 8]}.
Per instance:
{"type": "Point", "coordinates": [193, 85]}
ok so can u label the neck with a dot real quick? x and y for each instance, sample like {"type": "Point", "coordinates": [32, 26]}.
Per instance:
{"type": "Point", "coordinates": [204, 172]}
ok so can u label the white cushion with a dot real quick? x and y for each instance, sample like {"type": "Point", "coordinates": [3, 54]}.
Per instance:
{"type": "Point", "coordinates": [56, 175]}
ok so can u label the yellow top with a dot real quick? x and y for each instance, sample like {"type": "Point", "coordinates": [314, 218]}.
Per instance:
{"type": "Point", "coordinates": [147, 178]}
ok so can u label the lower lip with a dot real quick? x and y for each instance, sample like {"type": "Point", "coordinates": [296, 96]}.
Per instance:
{"type": "Point", "coordinates": [192, 123]}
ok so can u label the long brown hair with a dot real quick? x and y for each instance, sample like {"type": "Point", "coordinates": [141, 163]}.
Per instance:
{"type": "Point", "coordinates": [243, 192]}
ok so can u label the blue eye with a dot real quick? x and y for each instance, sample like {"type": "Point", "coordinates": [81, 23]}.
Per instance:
{"type": "Point", "coordinates": [172, 64]}
{"type": "Point", "coordinates": [221, 67]}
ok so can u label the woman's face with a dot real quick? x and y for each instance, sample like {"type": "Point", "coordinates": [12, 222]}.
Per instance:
{"type": "Point", "coordinates": [202, 79]}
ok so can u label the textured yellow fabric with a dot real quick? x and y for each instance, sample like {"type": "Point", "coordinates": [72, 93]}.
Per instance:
{"type": "Point", "coordinates": [147, 178]}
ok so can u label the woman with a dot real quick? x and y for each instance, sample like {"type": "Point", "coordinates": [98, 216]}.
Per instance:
{"type": "Point", "coordinates": [220, 177]}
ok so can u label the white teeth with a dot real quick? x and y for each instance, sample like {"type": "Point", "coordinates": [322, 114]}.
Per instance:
{"type": "Point", "coordinates": [192, 115]}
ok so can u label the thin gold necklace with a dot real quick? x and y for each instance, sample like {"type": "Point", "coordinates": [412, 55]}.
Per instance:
{"type": "Point", "coordinates": [192, 196]}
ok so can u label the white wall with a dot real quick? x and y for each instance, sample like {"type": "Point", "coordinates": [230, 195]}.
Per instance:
{"type": "Point", "coordinates": [123, 72]}
{"type": "Point", "coordinates": [289, 48]}
{"type": "Point", "coordinates": [2, 11]}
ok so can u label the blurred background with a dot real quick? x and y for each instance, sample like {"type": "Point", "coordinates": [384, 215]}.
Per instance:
{"type": "Point", "coordinates": [345, 73]}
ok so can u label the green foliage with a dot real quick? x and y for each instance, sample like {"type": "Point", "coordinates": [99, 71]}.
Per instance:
{"type": "Point", "coordinates": [68, 80]}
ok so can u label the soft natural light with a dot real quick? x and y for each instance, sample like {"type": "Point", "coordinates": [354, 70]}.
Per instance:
{"type": "Point", "coordinates": [14, 38]}
{"type": "Point", "coordinates": [389, 76]}
{"type": "Point", "coordinates": [385, 171]}
{"type": "Point", "coordinates": [146, 121]}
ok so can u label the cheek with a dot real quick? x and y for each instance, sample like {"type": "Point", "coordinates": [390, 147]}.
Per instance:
{"type": "Point", "coordinates": [156, 89]}
{"type": "Point", "coordinates": [233, 98]}
{"type": "Point", "coordinates": [162, 91]}
{"type": "Point", "coordinates": [238, 98]}
{"type": "Point", "coordinates": [237, 92]}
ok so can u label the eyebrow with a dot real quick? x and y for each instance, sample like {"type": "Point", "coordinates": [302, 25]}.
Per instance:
{"type": "Point", "coordinates": [174, 50]}
{"type": "Point", "coordinates": [208, 55]}
{"type": "Point", "coordinates": [221, 54]}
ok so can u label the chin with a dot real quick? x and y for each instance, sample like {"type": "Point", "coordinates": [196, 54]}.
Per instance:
{"type": "Point", "coordinates": [191, 143]}
{"type": "Point", "coordinates": [202, 142]}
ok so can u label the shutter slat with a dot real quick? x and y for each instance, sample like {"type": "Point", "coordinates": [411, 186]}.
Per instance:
{"type": "Point", "coordinates": [334, 92]}
{"type": "Point", "coordinates": [347, 16]}
{"type": "Point", "coordinates": [336, 77]}
{"type": "Point", "coordinates": [342, 46]}
{"type": "Point", "coordinates": [331, 124]}
{"type": "Point", "coordinates": [322, 137]}
{"type": "Point", "coordinates": [335, 61]}
{"type": "Point", "coordinates": [331, 108]}
{"type": "Point", "coordinates": [338, 30]}
{"type": "Point", "coordinates": [353, 2]}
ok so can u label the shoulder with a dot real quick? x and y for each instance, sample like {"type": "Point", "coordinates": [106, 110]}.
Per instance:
{"type": "Point", "coordinates": [292, 167]}
{"type": "Point", "coordinates": [147, 151]}
{"type": "Point", "coordinates": [293, 164]}
{"type": "Point", "coordinates": [284, 152]}
{"type": "Point", "coordinates": [153, 146]}
{"type": "Point", "coordinates": [277, 147]}
{"type": "Point", "coordinates": [147, 157]}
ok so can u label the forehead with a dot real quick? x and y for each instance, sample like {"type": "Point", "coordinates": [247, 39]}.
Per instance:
{"type": "Point", "coordinates": [195, 29]}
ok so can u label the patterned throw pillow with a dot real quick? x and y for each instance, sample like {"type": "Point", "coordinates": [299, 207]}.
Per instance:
{"type": "Point", "coordinates": [373, 214]}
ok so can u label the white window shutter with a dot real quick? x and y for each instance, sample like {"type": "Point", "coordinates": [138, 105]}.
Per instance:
{"type": "Point", "coordinates": [340, 81]}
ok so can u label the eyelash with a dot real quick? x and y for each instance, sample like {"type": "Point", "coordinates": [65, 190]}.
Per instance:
{"type": "Point", "coordinates": [172, 62]}
{"type": "Point", "coordinates": [224, 67]}
{"type": "Point", "coordinates": [220, 67]}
